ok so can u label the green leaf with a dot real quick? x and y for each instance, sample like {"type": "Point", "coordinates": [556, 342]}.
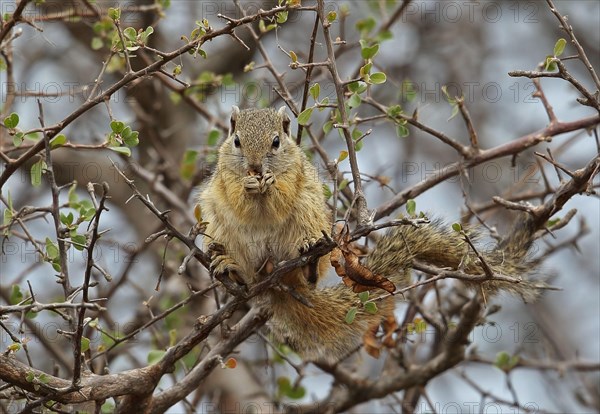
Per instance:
{"type": "Point", "coordinates": [315, 90]}
{"type": "Point", "coordinates": [51, 249]}
{"type": "Point", "coordinates": [343, 155]}
{"type": "Point", "coordinates": [85, 344]}
{"type": "Point", "coordinates": [16, 296]}
{"type": "Point", "coordinates": [368, 52]}
{"type": "Point", "coordinates": [365, 25]}
{"type": "Point", "coordinates": [550, 66]}
{"type": "Point", "coordinates": [351, 315]}
{"type": "Point", "coordinates": [354, 101]}
{"type": "Point", "coordinates": [117, 126]}
{"type": "Point", "coordinates": [97, 43]}
{"type": "Point", "coordinates": [559, 47]}
{"type": "Point", "coordinates": [130, 33]}
{"type": "Point", "coordinates": [73, 199]}
{"type": "Point", "coordinates": [327, 127]}
{"type": "Point", "coordinates": [8, 215]}
{"type": "Point", "coordinates": [331, 16]}
{"type": "Point", "coordinates": [305, 115]}
{"type": "Point", "coordinates": [394, 110]}
{"type": "Point", "coordinates": [457, 227]}
{"type": "Point", "coordinates": [188, 165]}
{"type": "Point", "coordinates": [213, 137]}
{"type": "Point", "coordinates": [371, 307]}
{"type": "Point", "coordinates": [114, 13]}
{"type": "Point", "coordinates": [12, 120]}
{"type": "Point", "coordinates": [57, 141]}
{"type": "Point", "coordinates": [18, 139]}
{"type": "Point", "coordinates": [363, 296]}
{"type": "Point", "coordinates": [79, 241]}
{"type": "Point", "coordinates": [36, 173]}
{"type": "Point", "coordinates": [65, 219]}
{"type": "Point", "coordinates": [402, 131]}
{"type": "Point", "coordinates": [154, 356]}
{"type": "Point", "coordinates": [343, 184]}
{"type": "Point", "coordinates": [358, 145]}
{"type": "Point", "coordinates": [131, 139]}
{"type": "Point", "coordinates": [411, 207]}
{"type": "Point", "coordinates": [502, 360]}
{"type": "Point", "coordinates": [282, 17]}
{"type": "Point", "coordinates": [357, 87]}
{"type": "Point", "coordinates": [121, 150]}
{"type": "Point", "coordinates": [378, 78]}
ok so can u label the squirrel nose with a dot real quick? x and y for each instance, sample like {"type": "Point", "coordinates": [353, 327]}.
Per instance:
{"type": "Point", "coordinates": [255, 169]}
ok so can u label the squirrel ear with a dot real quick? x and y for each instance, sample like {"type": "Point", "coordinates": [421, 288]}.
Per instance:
{"type": "Point", "coordinates": [285, 120]}
{"type": "Point", "coordinates": [234, 117]}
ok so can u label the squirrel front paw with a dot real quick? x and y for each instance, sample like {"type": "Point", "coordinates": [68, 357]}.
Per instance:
{"type": "Point", "coordinates": [224, 268]}
{"type": "Point", "coordinates": [252, 184]}
{"type": "Point", "coordinates": [268, 179]}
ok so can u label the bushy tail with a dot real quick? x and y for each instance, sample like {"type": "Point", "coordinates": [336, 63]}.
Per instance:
{"type": "Point", "coordinates": [509, 261]}
{"type": "Point", "coordinates": [322, 331]}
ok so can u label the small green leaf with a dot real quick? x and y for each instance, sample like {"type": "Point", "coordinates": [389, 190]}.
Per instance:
{"type": "Point", "coordinates": [18, 139]}
{"type": "Point", "coordinates": [305, 115]}
{"type": "Point", "coordinates": [502, 360]}
{"type": "Point", "coordinates": [315, 90]}
{"type": "Point", "coordinates": [131, 139]}
{"type": "Point", "coordinates": [85, 344]}
{"type": "Point", "coordinates": [12, 120]}
{"type": "Point", "coordinates": [130, 33]}
{"type": "Point", "coordinates": [16, 296]}
{"type": "Point", "coordinates": [117, 126]}
{"type": "Point", "coordinates": [369, 52]}
{"type": "Point", "coordinates": [378, 78]}
{"type": "Point", "coordinates": [402, 131]}
{"type": "Point", "coordinates": [282, 17]}
{"type": "Point", "coordinates": [550, 66]}
{"type": "Point", "coordinates": [51, 249]}
{"type": "Point", "coordinates": [57, 141]}
{"type": "Point", "coordinates": [213, 137]}
{"type": "Point", "coordinates": [331, 16]}
{"type": "Point", "coordinates": [343, 184]}
{"type": "Point", "coordinates": [121, 150]}
{"type": "Point", "coordinates": [354, 101]}
{"type": "Point", "coordinates": [559, 47]}
{"type": "Point", "coordinates": [114, 13]}
{"type": "Point", "coordinates": [411, 207]}
{"type": "Point", "coordinates": [357, 87]}
{"type": "Point", "coordinates": [351, 315]}
{"type": "Point", "coordinates": [457, 227]}
{"type": "Point", "coordinates": [97, 43]}
{"type": "Point", "coordinates": [343, 155]}
{"type": "Point", "coordinates": [363, 296]}
{"type": "Point", "coordinates": [66, 219]}
{"type": "Point", "coordinates": [172, 337]}
{"type": "Point", "coordinates": [36, 173]}
{"type": "Point", "coordinates": [327, 127]}
{"type": "Point", "coordinates": [30, 376]}
{"type": "Point", "coordinates": [371, 307]}
{"type": "Point", "coordinates": [73, 199]}
{"type": "Point", "coordinates": [79, 241]}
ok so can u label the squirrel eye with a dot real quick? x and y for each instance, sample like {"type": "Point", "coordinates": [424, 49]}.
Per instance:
{"type": "Point", "coordinates": [236, 141]}
{"type": "Point", "coordinates": [276, 141]}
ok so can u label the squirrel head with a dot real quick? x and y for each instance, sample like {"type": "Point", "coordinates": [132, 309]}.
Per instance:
{"type": "Point", "coordinates": [259, 140]}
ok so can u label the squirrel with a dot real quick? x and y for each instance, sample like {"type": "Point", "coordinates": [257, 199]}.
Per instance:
{"type": "Point", "coordinates": [265, 202]}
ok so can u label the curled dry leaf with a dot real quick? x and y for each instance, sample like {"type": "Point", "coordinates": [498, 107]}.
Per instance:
{"type": "Point", "coordinates": [346, 262]}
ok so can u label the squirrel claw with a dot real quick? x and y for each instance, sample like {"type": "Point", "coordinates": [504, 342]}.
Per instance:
{"type": "Point", "coordinates": [252, 184]}
{"type": "Point", "coordinates": [222, 265]}
{"type": "Point", "coordinates": [306, 244]}
{"type": "Point", "coordinates": [267, 180]}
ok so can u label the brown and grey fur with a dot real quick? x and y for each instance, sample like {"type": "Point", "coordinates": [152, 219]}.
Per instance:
{"type": "Point", "coordinates": [267, 204]}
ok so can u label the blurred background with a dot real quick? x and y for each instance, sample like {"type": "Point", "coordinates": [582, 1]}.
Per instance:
{"type": "Point", "coordinates": [467, 46]}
